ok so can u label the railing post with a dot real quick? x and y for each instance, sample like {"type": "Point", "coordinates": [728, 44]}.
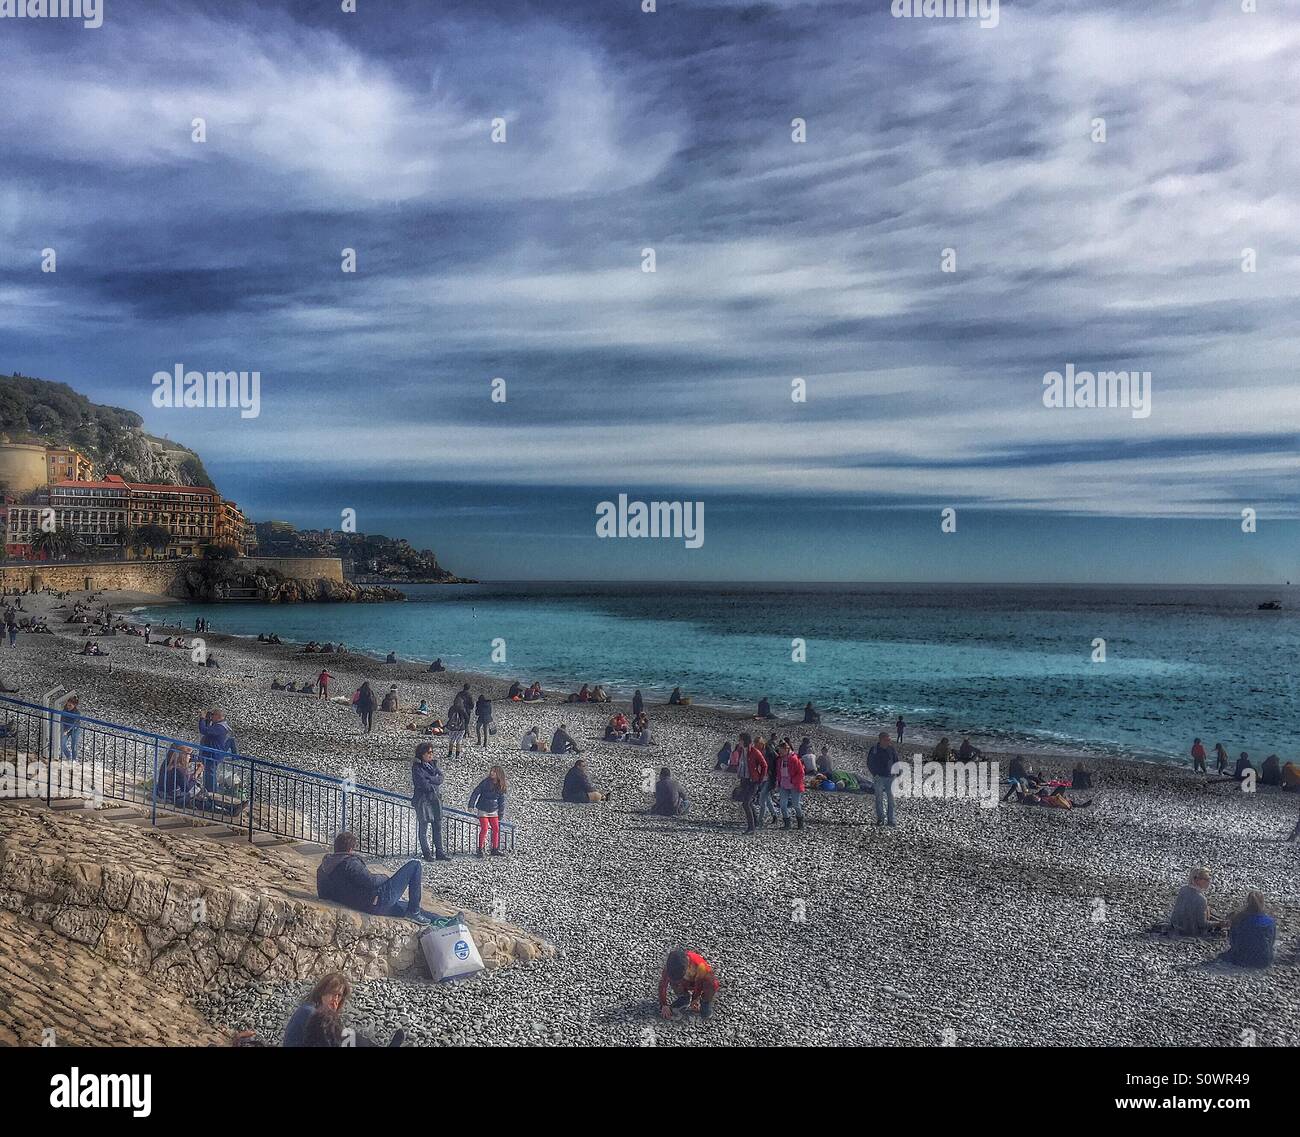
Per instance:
{"type": "Point", "coordinates": [153, 809]}
{"type": "Point", "coordinates": [251, 786]}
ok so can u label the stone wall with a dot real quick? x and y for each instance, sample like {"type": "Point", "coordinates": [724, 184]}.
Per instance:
{"type": "Point", "coordinates": [192, 913]}
{"type": "Point", "coordinates": [162, 578]}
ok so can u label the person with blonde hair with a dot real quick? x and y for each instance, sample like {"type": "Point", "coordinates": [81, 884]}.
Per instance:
{"type": "Point", "coordinates": [1251, 934]}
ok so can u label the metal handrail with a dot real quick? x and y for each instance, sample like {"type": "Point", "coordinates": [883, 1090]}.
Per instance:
{"type": "Point", "coordinates": [281, 800]}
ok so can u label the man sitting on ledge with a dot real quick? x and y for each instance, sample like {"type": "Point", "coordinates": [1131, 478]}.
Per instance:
{"type": "Point", "coordinates": [344, 878]}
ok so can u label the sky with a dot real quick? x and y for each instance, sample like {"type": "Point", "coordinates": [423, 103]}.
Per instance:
{"type": "Point", "coordinates": [775, 260]}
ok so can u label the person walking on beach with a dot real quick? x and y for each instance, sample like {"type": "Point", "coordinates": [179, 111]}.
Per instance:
{"type": "Point", "coordinates": [426, 797]}
{"type": "Point", "coordinates": [881, 760]}
{"type": "Point", "coordinates": [457, 725]}
{"type": "Point", "coordinates": [753, 777]}
{"type": "Point", "coordinates": [323, 684]}
{"type": "Point", "coordinates": [11, 627]}
{"type": "Point", "coordinates": [366, 707]}
{"type": "Point", "coordinates": [766, 800]}
{"type": "Point", "coordinates": [900, 726]}
{"type": "Point", "coordinates": [1221, 758]}
{"type": "Point", "coordinates": [489, 799]}
{"type": "Point", "coordinates": [638, 703]}
{"type": "Point", "coordinates": [482, 720]}
{"type": "Point", "coordinates": [790, 780]}
{"type": "Point", "coordinates": [1198, 757]}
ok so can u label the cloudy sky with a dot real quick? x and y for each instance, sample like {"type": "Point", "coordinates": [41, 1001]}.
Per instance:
{"type": "Point", "coordinates": [775, 260]}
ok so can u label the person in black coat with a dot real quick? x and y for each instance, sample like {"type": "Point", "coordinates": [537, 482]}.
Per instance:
{"type": "Point", "coordinates": [426, 797]}
{"type": "Point", "coordinates": [578, 789]}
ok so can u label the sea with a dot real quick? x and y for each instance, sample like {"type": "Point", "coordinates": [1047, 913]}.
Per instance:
{"type": "Point", "coordinates": [1126, 670]}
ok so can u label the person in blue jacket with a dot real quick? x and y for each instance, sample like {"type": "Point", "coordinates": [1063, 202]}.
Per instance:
{"type": "Point", "coordinates": [489, 799]}
{"type": "Point", "coordinates": [1251, 933]}
{"type": "Point", "coordinates": [343, 878]}
{"type": "Point", "coordinates": [216, 736]}
{"type": "Point", "coordinates": [426, 797]}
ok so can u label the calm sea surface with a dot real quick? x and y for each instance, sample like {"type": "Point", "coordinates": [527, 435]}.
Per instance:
{"type": "Point", "coordinates": [1012, 664]}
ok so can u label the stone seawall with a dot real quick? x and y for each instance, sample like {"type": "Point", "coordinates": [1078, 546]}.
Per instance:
{"type": "Point", "coordinates": [193, 913]}
{"type": "Point", "coordinates": [162, 578]}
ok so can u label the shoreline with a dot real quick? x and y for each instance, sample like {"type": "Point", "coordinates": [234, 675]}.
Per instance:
{"type": "Point", "coordinates": [1004, 745]}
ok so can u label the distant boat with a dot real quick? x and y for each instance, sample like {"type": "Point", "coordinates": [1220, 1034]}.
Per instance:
{"type": "Point", "coordinates": [1271, 606]}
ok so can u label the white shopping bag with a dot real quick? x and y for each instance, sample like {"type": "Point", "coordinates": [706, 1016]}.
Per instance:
{"type": "Point", "coordinates": [449, 949]}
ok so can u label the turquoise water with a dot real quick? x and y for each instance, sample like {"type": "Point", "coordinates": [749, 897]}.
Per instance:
{"type": "Point", "coordinates": [1007, 663]}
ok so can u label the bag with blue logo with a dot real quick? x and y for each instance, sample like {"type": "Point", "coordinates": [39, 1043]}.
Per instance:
{"type": "Point", "coordinates": [449, 949]}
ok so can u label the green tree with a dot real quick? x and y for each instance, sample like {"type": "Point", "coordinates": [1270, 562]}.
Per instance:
{"type": "Point", "coordinates": [150, 538]}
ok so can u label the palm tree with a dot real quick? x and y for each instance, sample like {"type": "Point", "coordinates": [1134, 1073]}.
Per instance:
{"type": "Point", "coordinates": [149, 538]}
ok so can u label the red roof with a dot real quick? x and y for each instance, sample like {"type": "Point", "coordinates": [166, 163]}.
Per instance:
{"type": "Point", "coordinates": [115, 482]}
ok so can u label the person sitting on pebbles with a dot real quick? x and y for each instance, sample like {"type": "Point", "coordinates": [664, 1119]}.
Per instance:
{"type": "Point", "coordinates": [329, 995]}
{"type": "Point", "coordinates": [578, 789]}
{"type": "Point", "coordinates": [390, 699]}
{"type": "Point", "coordinates": [533, 742]}
{"type": "Point", "coordinates": [1191, 915]}
{"type": "Point", "coordinates": [670, 801]}
{"type": "Point", "coordinates": [617, 727]}
{"type": "Point", "coordinates": [689, 977]}
{"type": "Point", "coordinates": [562, 741]}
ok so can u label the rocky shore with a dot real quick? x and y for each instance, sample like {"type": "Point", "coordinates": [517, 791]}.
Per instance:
{"type": "Point", "coordinates": [963, 926]}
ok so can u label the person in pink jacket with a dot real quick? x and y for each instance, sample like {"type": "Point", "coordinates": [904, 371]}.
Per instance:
{"type": "Point", "coordinates": [790, 783]}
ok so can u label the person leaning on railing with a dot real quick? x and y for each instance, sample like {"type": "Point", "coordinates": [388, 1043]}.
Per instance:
{"type": "Point", "coordinates": [216, 736]}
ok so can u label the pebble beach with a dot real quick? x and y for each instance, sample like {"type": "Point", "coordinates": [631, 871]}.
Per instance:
{"type": "Point", "coordinates": [963, 926]}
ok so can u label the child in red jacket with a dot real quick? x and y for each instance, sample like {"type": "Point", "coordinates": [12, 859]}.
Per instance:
{"type": "Point", "coordinates": [691, 979]}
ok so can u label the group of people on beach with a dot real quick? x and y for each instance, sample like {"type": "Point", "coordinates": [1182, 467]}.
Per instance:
{"type": "Point", "coordinates": [1271, 772]}
{"type": "Point", "coordinates": [1251, 930]}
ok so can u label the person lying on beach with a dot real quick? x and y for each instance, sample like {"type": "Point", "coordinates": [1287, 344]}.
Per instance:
{"type": "Point", "coordinates": [1055, 798]}
{"type": "Point", "coordinates": [328, 649]}
{"type": "Point", "coordinates": [688, 977]}
{"type": "Point", "coordinates": [578, 789]}
{"type": "Point", "coordinates": [277, 684]}
{"type": "Point", "coordinates": [669, 799]}
{"type": "Point", "coordinates": [1251, 934]}
{"type": "Point", "coordinates": [533, 742]}
{"type": "Point", "coordinates": [764, 709]}
{"type": "Point", "coordinates": [310, 648]}
{"type": "Point", "coordinates": [810, 715]}
{"type": "Point", "coordinates": [343, 878]}
{"type": "Point", "coordinates": [329, 994]}
{"type": "Point", "coordinates": [581, 696]}
{"type": "Point", "coordinates": [617, 727]}
{"type": "Point", "coordinates": [562, 742]}
{"type": "Point", "coordinates": [1191, 915]}
{"type": "Point", "coordinates": [436, 665]}
{"type": "Point", "coordinates": [516, 692]}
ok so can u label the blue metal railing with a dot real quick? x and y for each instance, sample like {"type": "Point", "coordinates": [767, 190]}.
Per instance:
{"type": "Point", "coordinates": [122, 763]}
